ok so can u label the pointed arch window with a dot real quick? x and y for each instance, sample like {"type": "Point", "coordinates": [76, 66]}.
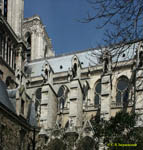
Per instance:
{"type": "Point", "coordinates": [38, 96]}
{"type": "Point", "coordinates": [97, 93]}
{"type": "Point", "coordinates": [122, 89]}
{"type": "Point", "coordinates": [62, 97]}
{"type": "Point", "coordinates": [74, 70]}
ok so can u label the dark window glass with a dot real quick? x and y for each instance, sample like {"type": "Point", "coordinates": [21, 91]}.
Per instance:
{"type": "Point", "coordinates": [97, 99]}
{"type": "Point", "coordinates": [122, 90]}
{"type": "Point", "coordinates": [61, 92]}
{"type": "Point", "coordinates": [122, 84]}
{"type": "Point", "coordinates": [5, 8]}
{"type": "Point", "coordinates": [38, 93]}
{"type": "Point", "coordinates": [125, 95]}
{"type": "Point", "coordinates": [62, 102]}
{"type": "Point", "coordinates": [62, 96]}
{"type": "Point", "coordinates": [98, 88]}
{"type": "Point", "coordinates": [22, 106]}
{"type": "Point", "coordinates": [97, 93]}
{"type": "Point", "coordinates": [118, 97]}
{"type": "Point", "coordinates": [74, 70]}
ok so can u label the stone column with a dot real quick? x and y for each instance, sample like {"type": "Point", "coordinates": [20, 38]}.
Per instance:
{"type": "Point", "coordinates": [76, 104]}
{"type": "Point", "coordinates": [18, 61]}
{"type": "Point", "coordinates": [106, 85]}
{"type": "Point", "coordinates": [15, 16]}
{"type": "Point", "coordinates": [33, 44]}
{"type": "Point", "coordinates": [138, 96]}
{"type": "Point", "coordinates": [48, 108]}
{"type": "Point", "coordinates": [5, 48]}
{"type": "Point", "coordinates": [138, 101]}
{"type": "Point", "coordinates": [106, 96]}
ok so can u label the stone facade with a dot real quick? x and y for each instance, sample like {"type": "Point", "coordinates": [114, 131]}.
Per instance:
{"type": "Point", "coordinates": [14, 136]}
{"type": "Point", "coordinates": [53, 98]}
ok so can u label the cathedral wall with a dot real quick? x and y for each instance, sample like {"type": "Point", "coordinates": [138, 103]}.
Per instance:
{"type": "Point", "coordinates": [6, 72]}
{"type": "Point", "coordinates": [13, 135]}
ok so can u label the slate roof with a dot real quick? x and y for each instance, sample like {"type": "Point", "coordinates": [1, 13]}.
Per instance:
{"type": "Point", "coordinates": [4, 98]}
{"type": "Point", "coordinates": [85, 58]}
{"type": "Point", "coordinates": [63, 63]}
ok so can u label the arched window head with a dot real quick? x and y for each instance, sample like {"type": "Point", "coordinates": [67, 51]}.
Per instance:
{"type": "Point", "coordinates": [122, 94]}
{"type": "Point", "coordinates": [75, 65]}
{"type": "Point", "coordinates": [74, 70]}
{"type": "Point", "coordinates": [62, 97]}
{"type": "Point", "coordinates": [97, 93]}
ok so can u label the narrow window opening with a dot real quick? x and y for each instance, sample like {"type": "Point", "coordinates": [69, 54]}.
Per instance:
{"type": "Point", "coordinates": [74, 70]}
{"type": "Point", "coordinates": [97, 93]}
{"type": "Point", "coordinates": [61, 67]}
{"type": "Point", "coordinates": [22, 106]}
{"type": "Point", "coordinates": [5, 8]}
{"type": "Point", "coordinates": [122, 91]}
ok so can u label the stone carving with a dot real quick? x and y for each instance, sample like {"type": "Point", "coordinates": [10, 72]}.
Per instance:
{"type": "Point", "coordinates": [45, 70]}
{"type": "Point", "coordinates": [107, 67]}
{"type": "Point", "coordinates": [18, 74]}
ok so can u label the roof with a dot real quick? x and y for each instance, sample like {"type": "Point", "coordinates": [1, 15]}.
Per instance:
{"type": "Point", "coordinates": [63, 63]}
{"type": "Point", "coordinates": [87, 58]}
{"type": "Point", "coordinates": [4, 98]}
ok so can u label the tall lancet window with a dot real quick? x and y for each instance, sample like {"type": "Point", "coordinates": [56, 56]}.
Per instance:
{"type": "Point", "coordinates": [5, 8]}
{"type": "Point", "coordinates": [97, 93]}
{"type": "Point", "coordinates": [62, 97]}
{"type": "Point", "coordinates": [122, 90]}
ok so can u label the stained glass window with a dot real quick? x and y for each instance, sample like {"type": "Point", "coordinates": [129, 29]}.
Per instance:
{"type": "Point", "coordinates": [122, 90]}
{"type": "Point", "coordinates": [62, 96]}
{"type": "Point", "coordinates": [97, 93]}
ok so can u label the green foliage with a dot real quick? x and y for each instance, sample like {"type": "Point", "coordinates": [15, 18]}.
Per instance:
{"type": "Point", "coordinates": [56, 144]}
{"type": "Point", "coordinates": [119, 129]}
{"type": "Point", "coordinates": [86, 143]}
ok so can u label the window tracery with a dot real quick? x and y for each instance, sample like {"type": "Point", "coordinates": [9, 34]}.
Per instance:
{"type": "Point", "coordinates": [62, 97]}
{"type": "Point", "coordinates": [97, 93]}
{"type": "Point", "coordinates": [122, 94]}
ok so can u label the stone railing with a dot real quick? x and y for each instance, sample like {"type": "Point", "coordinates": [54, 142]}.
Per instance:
{"type": "Point", "coordinates": [121, 104]}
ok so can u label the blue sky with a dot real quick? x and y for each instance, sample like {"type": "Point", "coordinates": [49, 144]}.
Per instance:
{"type": "Point", "coordinates": [60, 18]}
